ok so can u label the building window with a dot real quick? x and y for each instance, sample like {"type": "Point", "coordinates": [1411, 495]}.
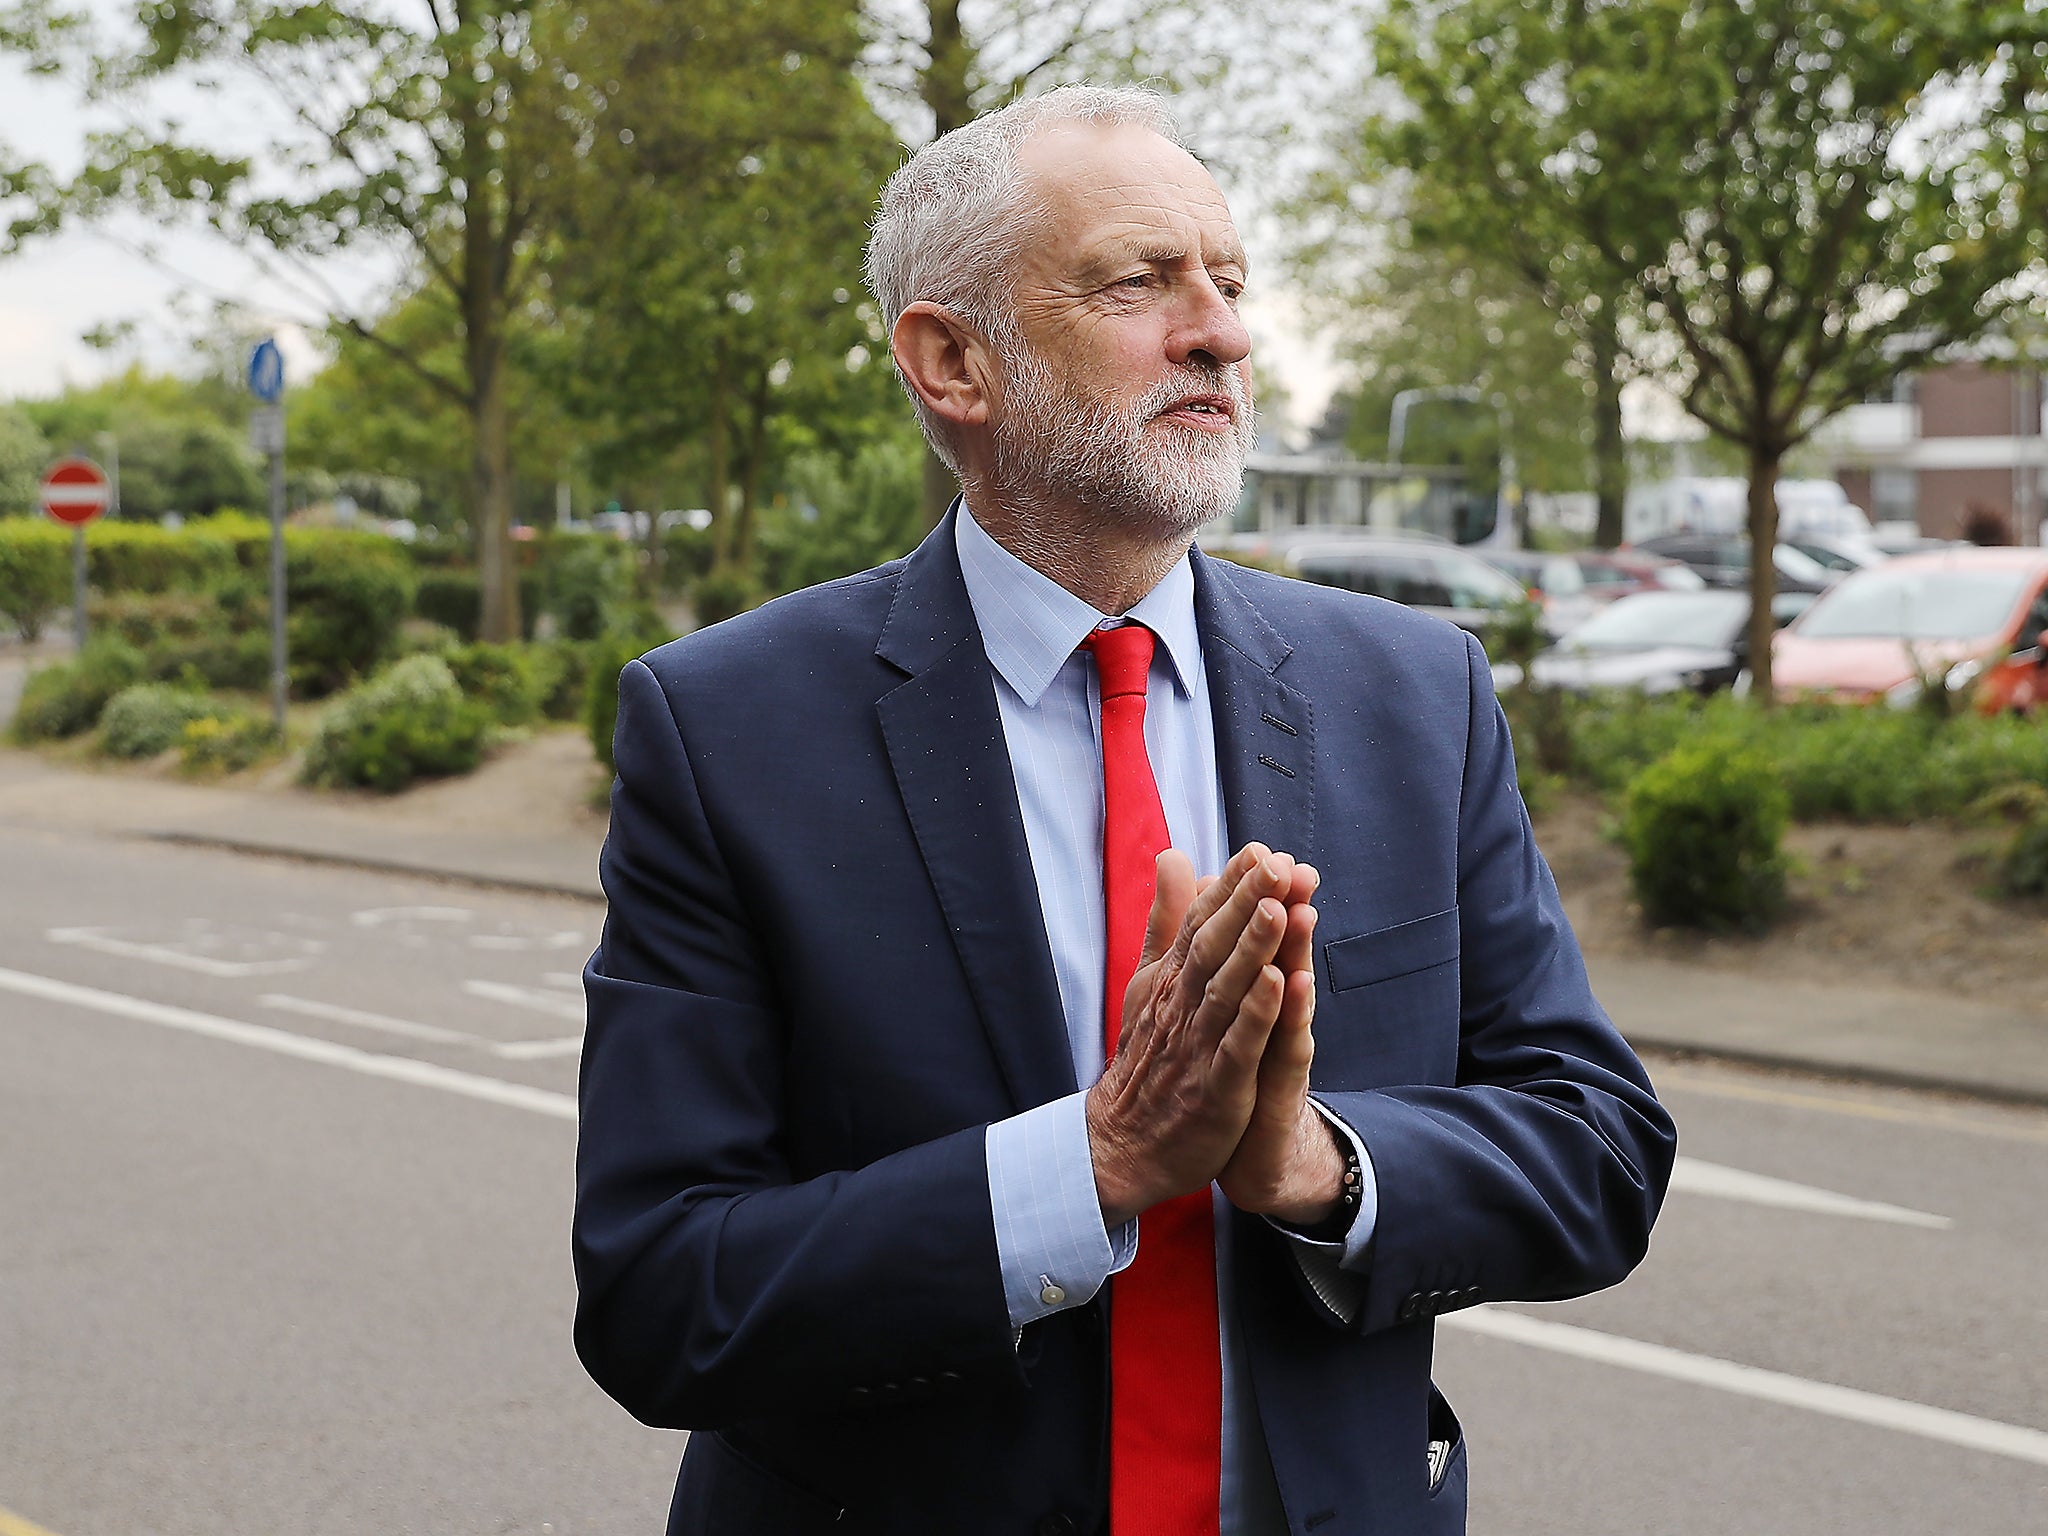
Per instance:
{"type": "Point", "coordinates": [1894, 496]}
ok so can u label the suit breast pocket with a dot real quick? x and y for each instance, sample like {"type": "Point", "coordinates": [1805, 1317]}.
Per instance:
{"type": "Point", "coordinates": [1391, 1015]}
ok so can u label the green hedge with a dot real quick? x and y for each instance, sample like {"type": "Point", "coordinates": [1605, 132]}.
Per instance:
{"type": "Point", "coordinates": [66, 699]}
{"type": "Point", "coordinates": [1835, 761]}
{"type": "Point", "coordinates": [1704, 829]}
{"type": "Point", "coordinates": [35, 573]}
{"type": "Point", "coordinates": [409, 722]}
{"type": "Point", "coordinates": [148, 719]}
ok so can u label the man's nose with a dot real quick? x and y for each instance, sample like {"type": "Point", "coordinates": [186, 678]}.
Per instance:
{"type": "Point", "coordinates": [1208, 327]}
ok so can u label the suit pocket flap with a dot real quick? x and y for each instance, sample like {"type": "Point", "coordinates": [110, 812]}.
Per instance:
{"type": "Point", "coordinates": [1389, 952]}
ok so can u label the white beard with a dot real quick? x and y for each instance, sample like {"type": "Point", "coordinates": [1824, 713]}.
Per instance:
{"type": "Point", "coordinates": [1053, 444]}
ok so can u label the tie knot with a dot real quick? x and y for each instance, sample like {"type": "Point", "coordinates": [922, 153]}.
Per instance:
{"type": "Point", "coordinates": [1123, 658]}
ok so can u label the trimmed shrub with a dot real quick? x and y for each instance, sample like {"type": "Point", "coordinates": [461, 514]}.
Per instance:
{"type": "Point", "coordinates": [343, 609]}
{"type": "Point", "coordinates": [233, 660]}
{"type": "Point", "coordinates": [720, 595]}
{"type": "Point", "coordinates": [561, 676]}
{"type": "Point", "coordinates": [143, 557]}
{"type": "Point", "coordinates": [502, 678]}
{"type": "Point", "coordinates": [35, 574]}
{"type": "Point", "coordinates": [144, 618]}
{"type": "Point", "coordinates": [409, 722]}
{"type": "Point", "coordinates": [226, 741]}
{"type": "Point", "coordinates": [148, 718]}
{"type": "Point", "coordinates": [66, 699]}
{"type": "Point", "coordinates": [608, 658]}
{"type": "Point", "coordinates": [586, 582]}
{"type": "Point", "coordinates": [450, 598]}
{"type": "Point", "coordinates": [1703, 828]}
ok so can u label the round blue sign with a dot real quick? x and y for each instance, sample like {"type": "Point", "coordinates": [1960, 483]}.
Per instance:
{"type": "Point", "coordinates": [266, 372]}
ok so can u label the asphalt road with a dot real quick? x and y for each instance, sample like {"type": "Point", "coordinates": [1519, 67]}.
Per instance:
{"type": "Point", "coordinates": [284, 1195]}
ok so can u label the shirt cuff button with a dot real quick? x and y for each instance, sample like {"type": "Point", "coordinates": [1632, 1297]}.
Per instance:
{"type": "Point", "coordinates": [1050, 1291]}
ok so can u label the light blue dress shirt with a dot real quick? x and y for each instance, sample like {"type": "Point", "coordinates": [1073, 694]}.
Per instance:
{"type": "Point", "coordinates": [1050, 1236]}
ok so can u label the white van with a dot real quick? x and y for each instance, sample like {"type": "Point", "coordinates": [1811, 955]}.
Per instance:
{"type": "Point", "coordinates": [1719, 504]}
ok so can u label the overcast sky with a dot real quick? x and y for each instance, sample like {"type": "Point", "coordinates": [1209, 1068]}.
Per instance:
{"type": "Point", "coordinates": [71, 283]}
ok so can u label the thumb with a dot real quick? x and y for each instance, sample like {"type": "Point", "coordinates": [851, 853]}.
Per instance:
{"type": "Point", "coordinates": [1172, 892]}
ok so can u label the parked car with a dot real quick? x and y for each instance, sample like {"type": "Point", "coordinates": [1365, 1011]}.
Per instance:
{"type": "Point", "coordinates": [1574, 586]}
{"type": "Point", "coordinates": [1961, 616]}
{"type": "Point", "coordinates": [1839, 555]}
{"type": "Point", "coordinates": [1655, 642]}
{"type": "Point", "coordinates": [1723, 561]}
{"type": "Point", "coordinates": [1556, 583]}
{"type": "Point", "coordinates": [1436, 577]}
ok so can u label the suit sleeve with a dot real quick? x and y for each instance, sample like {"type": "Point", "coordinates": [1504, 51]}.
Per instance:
{"type": "Point", "coordinates": [714, 1285]}
{"type": "Point", "coordinates": [1538, 1174]}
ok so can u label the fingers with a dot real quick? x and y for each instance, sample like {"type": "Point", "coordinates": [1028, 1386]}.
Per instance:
{"type": "Point", "coordinates": [1174, 889]}
{"type": "Point", "coordinates": [1297, 946]}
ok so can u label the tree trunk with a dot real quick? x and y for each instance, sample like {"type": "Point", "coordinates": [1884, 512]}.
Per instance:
{"type": "Point", "coordinates": [491, 501]}
{"type": "Point", "coordinates": [946, 85]}
{"type": "Point", "coordinates": [719, 447]}
{"type": "Point", "coordinates": [750, 475]}
{"type": "Point", "coordinates": [1763, 571]}
{"type": "Point", "coordinates": [1610, 453]}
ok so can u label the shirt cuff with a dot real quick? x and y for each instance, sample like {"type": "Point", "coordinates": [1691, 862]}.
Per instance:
{"type": "Point", "coordinates": [1050, 1239]}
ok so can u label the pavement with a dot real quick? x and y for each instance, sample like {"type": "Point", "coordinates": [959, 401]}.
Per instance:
{"type": "Point", "coordinates": [534, 832]}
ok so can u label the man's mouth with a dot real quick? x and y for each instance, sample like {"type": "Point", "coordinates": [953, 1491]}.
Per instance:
{"type": "Point", "coordinates": [1212, 413]}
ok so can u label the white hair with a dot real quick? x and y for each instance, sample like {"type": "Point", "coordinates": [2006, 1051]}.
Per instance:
{"type": "Point", "coordinates": [955, 217]}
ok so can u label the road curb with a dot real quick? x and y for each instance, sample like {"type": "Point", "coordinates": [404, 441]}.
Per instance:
{"type": "Point", "coordinates": [2020, 1096]}
{"type": "Point", "coordinates": [376, 866]}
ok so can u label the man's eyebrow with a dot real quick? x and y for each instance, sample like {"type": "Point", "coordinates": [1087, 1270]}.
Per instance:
{"type": "Point", "coordinates": [1170, 255]}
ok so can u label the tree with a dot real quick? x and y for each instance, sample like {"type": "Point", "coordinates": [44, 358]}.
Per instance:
{"type": "Point", "coordinates": [181, 441]}
{"type": "Point", "coordinates": [24, 455]}
{"type": "Point", "coordinates": [429, 136]}
{"type": "Point", "coordinates": [1806, 198]}
{"type": "Point", "coordinates": [1410, 316]}
{"type": "Point", "coordinates": [707, 273]}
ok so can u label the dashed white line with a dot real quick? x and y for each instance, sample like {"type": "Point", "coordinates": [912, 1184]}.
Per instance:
{"type": "Point", "coordinates": [1963, 1429]}
{"type": "Point", "coordinates": [165, 954]}
{"type": "Point", "coordinates": [312, 1008]}
{"type": "Point", "coordinates": [402, 1069]}
{"type": "Point", "coordinates": [556, 1004]}
{"type": "Point", "coordinates": [1694, 1177]}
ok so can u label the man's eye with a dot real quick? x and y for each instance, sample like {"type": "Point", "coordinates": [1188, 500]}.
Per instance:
{"type": "Point", "coordinates": [1136, 280]}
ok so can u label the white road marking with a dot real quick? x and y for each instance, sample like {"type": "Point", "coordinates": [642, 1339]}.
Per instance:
{"type": "Point", "coordinates": [167, 954]}
{"type": "Point", "coordinates": [552, 1003]}
{"type": "Point", "coordinates": [401, 1069]}
{"type": "Point", "coordinates": [1697, 1178]}
{"type": "Point", "coordinates": [1963, 1429]}
{"type": "Point", "coordinates": [536, 1050]}
{"type": "Point", "coordinates": [312, 1008]}
{"type": "Point", "coordinates": [571, 980]}
{"type": "Point", "coordinates": [378, 917]}
{"type": "Point", "coordinates": [557, 938]}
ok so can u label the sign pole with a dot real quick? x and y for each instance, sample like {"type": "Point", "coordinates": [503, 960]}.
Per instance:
{"type": "Point", "coordinates": [75, 491]}
{"type": "Point", "coordinates": [78, 583]}
{"type": "Point", "coordinates": [279, 682]}
{"type": "Point", "coordinates": [266, 427]}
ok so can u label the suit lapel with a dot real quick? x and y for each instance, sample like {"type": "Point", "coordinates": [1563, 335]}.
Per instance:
{"type": "Point", "coordinates": [1265, 731]}
{"type": "Point", "coordinates": [945, 740]}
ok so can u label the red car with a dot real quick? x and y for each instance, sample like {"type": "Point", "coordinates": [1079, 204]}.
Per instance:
{"type": "Point", "coordinates": [1969, 617]}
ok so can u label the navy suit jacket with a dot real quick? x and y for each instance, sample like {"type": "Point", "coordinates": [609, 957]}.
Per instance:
{"type": "Point", "coordinates": [824, 973]}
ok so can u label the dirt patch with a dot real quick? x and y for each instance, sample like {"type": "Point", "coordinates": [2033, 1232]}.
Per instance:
{"type": "Point", "coordinates": [1900, 906]}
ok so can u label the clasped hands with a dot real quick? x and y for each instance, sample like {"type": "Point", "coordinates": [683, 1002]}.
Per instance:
{"type": "Point", "coordinates": [1210, 1079]}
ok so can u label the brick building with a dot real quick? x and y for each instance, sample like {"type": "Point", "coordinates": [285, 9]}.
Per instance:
{"type": "Point", "coordinates": [1944, 442]}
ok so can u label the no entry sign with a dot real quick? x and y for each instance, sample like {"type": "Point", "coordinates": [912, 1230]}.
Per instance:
{"type": "Point", "coordinates": [75, 490]}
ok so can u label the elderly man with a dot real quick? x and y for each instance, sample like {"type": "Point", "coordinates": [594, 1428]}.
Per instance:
{"type": "Point", "coordinates": [898, 864]}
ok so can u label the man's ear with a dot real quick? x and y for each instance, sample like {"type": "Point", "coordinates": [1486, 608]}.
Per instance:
{"type": "Point", "coordinates": [943, 361]}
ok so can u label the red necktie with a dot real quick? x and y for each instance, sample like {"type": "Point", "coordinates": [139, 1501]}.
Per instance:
{"type": "Point", "coordinates": [1166, 1366]}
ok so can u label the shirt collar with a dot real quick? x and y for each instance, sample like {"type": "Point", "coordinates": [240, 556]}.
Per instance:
{"type": "Point", "coordinates": [1030, 624]}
